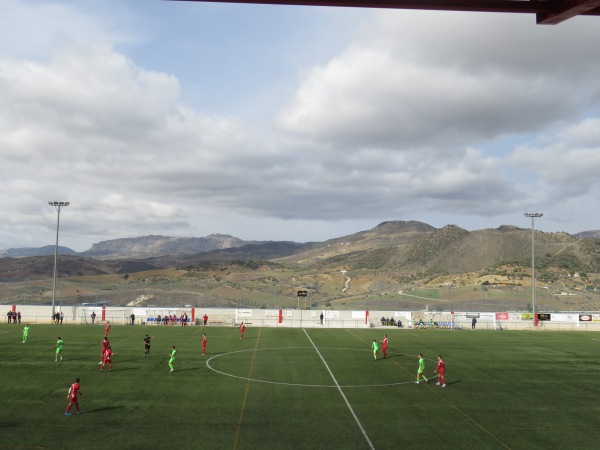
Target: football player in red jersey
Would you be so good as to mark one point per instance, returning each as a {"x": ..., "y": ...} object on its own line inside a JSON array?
[
  {"x": 105, "y": 345},
  {"x": 107, "y": 359},
  {"x": 242, "y": 330},
  {"x": 441, "y": 370},
  {"x": 384, "y": 344},
  {"x": 74, "y": 392}
]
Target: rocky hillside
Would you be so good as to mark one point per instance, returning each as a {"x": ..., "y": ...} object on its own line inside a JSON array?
[
  {"x": 421, "y": 251},
  {"x": 68, "y": 265},
  {"x": 386, "y": 235},
  {"x": 586, "y": 234},
  {"x": 261, "y": 251},
  {"x": 37, "y": 251},
  {"x": 410, "y": 249},
  {"x": 152, "y": 246}
]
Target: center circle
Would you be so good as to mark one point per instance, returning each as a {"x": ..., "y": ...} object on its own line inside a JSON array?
[{"x": 282, "y": 383}]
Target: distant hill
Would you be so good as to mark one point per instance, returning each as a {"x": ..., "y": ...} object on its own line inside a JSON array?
[
  {"x": 69, "y": 265},
  {"x": 151, "y": 246},
  {"x": 261, "y": 251},
  {"x": 37, "y": 251},
  {"x": 139, "y": 247},
  {"x": 418, "y": 250},
  {"x": 412, "y": 249},
  {"x": 588, "y": 234}
]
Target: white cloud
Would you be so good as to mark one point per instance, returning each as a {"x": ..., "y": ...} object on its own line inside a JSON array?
[
  {"x": 396, "y": 126},
  {"x": 442, "y": 83},
  {"x": 32, "y": 29},
  {"x": 567, "y": 164}
]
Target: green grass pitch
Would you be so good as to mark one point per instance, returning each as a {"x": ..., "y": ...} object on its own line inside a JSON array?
[{"x": 282, "y": 388}]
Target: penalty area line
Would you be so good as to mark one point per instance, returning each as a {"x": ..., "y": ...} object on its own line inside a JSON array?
[{"x": 341, "y": 392}]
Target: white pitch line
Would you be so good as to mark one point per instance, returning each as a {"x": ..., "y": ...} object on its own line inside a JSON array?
[
  {"x": 341, "y": 392},
  {"x": 283, "y": 383}
]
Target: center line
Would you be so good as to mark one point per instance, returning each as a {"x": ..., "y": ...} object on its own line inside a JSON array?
[
  {"x": 239, "y": 426},
  {"x": 341, "y": 392}
]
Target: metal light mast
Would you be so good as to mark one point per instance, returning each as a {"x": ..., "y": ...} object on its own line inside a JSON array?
[
  {"x": 533, "y": 217},
  {"x": 58, "y": 206}
]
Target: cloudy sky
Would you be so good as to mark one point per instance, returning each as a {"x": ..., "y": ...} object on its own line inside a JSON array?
[{"x": 290, "y": 123}]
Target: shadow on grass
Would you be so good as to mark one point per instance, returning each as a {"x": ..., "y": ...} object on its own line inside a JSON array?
[
  {"x": 395, "y": 355},
  {"x": 121, "y": 369},
  {"x": 97, "y": 410},
  {"x": 71, "y": 359}
]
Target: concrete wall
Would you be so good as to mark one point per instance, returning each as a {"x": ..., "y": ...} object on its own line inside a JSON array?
[{"x": 305, "y": 318}]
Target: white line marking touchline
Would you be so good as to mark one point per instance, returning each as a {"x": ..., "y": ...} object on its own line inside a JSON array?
[{"x": 341, "y": 392}]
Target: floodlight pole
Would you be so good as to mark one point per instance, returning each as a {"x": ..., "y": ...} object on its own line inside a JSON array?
[
  {"x": 533, "y": 217},
  {"x": 58, "y": 206}
]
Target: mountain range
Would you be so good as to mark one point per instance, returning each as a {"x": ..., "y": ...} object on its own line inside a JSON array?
[
  {"x": 411, "y": 248},
  {"x": 139, "y": 247}
]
